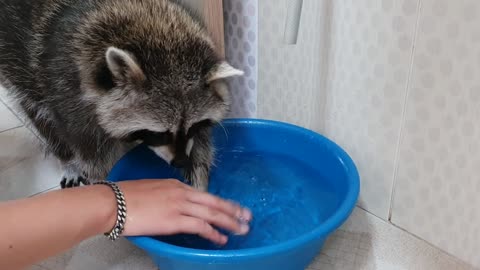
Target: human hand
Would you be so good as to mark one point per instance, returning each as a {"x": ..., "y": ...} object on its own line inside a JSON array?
[{"x": 169, "y": 207}]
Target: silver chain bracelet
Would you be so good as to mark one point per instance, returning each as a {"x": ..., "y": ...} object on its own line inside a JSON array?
[{"x": 121, "y": 211}]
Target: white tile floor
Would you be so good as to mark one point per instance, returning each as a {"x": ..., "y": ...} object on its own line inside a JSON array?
[{"x": 364, "y": 242}]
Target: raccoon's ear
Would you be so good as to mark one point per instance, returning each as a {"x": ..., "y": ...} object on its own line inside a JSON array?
[
  {"x": 123, "y": 65},
  {"x": 222, "y": 70}
]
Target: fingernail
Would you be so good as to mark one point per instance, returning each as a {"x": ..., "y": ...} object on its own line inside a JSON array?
[
  {"x": 244, "y": 228},
  {"x": 224, "y": 240},
  {"x": 246, "y": 215}
]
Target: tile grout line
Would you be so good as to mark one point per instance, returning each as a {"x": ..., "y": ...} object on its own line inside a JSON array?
[
  {"x": 10, "y": 129},
  {"x": 417, "y": 237},
  {"x": 9, "y": 107},
  {"x": 23, "y": 125},
  {"x": 327, "y": 48},
  {"x": 44, "y": 191},
  {"x": 404, "y": 113},
  {"x": 453, "y": 257},
  {"x": 15, "y": 114}
]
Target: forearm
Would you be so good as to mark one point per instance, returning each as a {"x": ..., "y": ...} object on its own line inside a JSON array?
[{"x": 35, "y": 228}]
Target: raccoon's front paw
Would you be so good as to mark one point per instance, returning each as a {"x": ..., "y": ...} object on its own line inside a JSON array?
[
  {"x": 200, "y": 185},
  {"x": 69, "y": 181},
  {"x": 197, "y": 178}
]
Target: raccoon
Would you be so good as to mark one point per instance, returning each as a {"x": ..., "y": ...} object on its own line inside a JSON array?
[{"x": 96, "y": 77}]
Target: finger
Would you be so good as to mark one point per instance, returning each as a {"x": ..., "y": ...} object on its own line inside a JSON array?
[
  {"x": 215, "y": 217},
  {"x": 191, "y": 225},
  {"x": 227, "y": 207},
  {"x": 177, "y": 183}
]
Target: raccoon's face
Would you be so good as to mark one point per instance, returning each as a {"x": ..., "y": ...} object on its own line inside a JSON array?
[{"x": 164, "y": 107}]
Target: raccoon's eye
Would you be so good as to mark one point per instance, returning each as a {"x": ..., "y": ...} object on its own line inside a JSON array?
[
  {"x": 195, "y": 128},
  {"x": 152, "y": 138}
]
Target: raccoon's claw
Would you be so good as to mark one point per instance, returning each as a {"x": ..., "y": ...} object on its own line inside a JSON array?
[{"x": 73, "y": 182}]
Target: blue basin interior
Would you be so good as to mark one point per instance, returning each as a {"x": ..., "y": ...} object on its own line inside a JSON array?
[{"x": 299, "y": 185}]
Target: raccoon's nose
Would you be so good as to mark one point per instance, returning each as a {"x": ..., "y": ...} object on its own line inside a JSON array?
[{"x": 180, "y": 162}]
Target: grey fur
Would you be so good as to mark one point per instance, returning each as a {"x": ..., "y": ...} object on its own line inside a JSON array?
[{"x": 96, "y": 76}]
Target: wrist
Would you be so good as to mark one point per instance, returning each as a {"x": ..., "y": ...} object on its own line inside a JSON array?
[{"x": 107, "y": 208}]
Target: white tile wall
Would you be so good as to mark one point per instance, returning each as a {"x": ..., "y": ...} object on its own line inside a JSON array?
[
  {"x": 289, "y": 76},
  {"x": 241, "y": 50},
  {"x": 369, "y": 62},
  {"x": 438, "y": 184}
]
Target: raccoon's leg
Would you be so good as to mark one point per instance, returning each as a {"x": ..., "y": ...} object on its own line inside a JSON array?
[
  {"x": 201, "y": 157},
  {"x": 42, "y": 121},
  {"x": 94, "y": 162},
  {"x": 45, "y": 126}
]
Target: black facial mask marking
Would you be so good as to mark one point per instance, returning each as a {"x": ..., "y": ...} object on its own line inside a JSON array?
[
  {"x": 152, "y": 138},
  {"x": 181, "y": 140},
  {"x": 195, "y": 128}
]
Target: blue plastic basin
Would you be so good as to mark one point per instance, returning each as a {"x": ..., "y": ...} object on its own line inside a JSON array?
[{"x": 299, "y": 185}]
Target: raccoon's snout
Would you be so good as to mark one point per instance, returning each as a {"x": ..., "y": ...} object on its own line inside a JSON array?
[
  {"x": 178, "y": 156},
  {"x": 178, "y": 160},
  {"x": 164, "y": 152},
  {"x": 182, "y": 152}
]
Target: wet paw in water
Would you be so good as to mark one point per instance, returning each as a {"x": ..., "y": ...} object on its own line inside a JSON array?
[{"x": 273, "y": 188}]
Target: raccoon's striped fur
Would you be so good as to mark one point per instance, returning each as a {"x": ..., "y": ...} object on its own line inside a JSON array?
[{"x": 96, "y": 76}]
